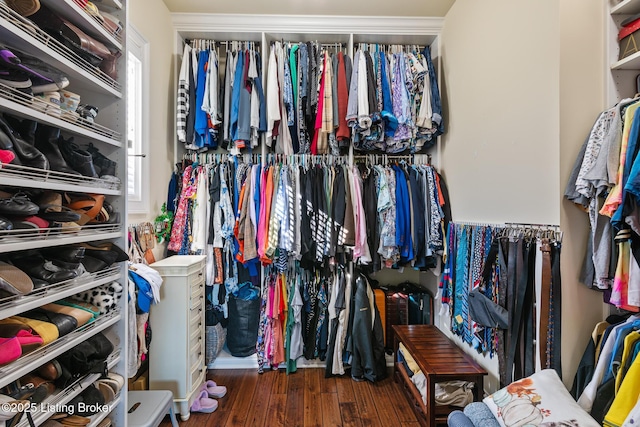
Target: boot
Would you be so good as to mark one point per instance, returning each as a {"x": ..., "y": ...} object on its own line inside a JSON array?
[
  {"x": 26, "y": 153},
  {"x": 79, "y": 160},
  {"x": 47, "y": 142},
  {"x": 105, "y": 165}
]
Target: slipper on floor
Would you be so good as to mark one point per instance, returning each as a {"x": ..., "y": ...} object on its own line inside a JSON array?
[
  {"x": 204, "y": 404},
  {"x": 216, "y": 391}
]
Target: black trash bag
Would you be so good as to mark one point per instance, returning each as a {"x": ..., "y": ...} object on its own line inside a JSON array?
[{"x": 242, "y": 330}]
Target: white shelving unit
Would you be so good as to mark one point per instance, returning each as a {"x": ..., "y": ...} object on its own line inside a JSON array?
[
  {"x": 622, "y": 73},
  {"x": 63, "y": 397},
  {"x": 84, "y": 21},
  {"x": 107, "y": 134}
]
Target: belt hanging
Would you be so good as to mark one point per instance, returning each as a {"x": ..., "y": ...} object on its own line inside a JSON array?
[{"x": 545, "y": 302}]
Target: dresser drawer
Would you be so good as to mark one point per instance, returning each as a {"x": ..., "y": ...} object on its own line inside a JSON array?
[
  {"x": 196, "y": 291},
  {"x": 195, "y": 354},
  {"x": 195, "y": 278},
  {"x": 197, "y": 372},
  {"x": 196, "y": 312}
]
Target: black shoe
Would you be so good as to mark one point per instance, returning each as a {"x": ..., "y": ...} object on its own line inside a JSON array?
[
  {"x": 34, "y": 264},
  {"x": 26, "y": 153},
  {"x": 103, "y": 164},
  {"x": 55, "y": 80},
  {"x": 79, "y": 160},
  {"x": 47, "y": 142}
]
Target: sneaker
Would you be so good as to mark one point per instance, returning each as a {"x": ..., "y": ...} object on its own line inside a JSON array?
[
  {"x": 54, "y": 79},
  {"x": 16, "y": 81}
]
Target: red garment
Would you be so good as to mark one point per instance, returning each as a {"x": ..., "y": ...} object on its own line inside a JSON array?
[{"x": 343, "y": 131}]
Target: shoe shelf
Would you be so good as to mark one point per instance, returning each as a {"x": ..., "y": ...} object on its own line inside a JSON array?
[
  {"x": 20, "y": 33},
  {"x": 16, "y": 304},
  {"x": 26, "y": 177},
  {"x": 86, "y": 22},
  {"x": 114, "y": 4},
  {"x": 23, "y": 239},
  {"x": 97, "y": 418},
  {"x": 45, "y": 410},
  {"x": 27, "y": 106},
  {"x": 29, "y": 362}
]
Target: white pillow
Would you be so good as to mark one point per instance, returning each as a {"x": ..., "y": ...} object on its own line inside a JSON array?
[{"x": 540, "y": 399}]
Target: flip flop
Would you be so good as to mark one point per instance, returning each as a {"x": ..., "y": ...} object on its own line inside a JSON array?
[
  {"x": 214, "y": 390},
  {"x": 204, "y": 404}
]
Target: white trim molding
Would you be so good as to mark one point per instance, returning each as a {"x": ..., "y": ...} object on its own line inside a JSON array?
[{"x": 321, "y": 24}]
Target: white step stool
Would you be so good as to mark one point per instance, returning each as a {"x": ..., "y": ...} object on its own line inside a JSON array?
[{"x": 147, "y": 408}]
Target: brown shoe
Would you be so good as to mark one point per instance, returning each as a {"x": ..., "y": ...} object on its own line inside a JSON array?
[{"x": 24, "y": 7}]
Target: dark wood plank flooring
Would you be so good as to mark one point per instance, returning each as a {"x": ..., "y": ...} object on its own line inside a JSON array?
[{"x": 305, "y": 399}]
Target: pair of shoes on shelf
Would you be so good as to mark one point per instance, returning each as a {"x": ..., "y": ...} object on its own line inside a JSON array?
[
  {"x": 17, "y": 339},
  {"x": 29, "y": 74},
  {"x": 19, "y": 137},
  {"x": 110, "y": 386},
  {"x": 206, "y": 401},
  {"x": 77, "y": 41}
]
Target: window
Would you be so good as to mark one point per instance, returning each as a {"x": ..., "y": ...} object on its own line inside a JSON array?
[{"x": 137, "y": 122}]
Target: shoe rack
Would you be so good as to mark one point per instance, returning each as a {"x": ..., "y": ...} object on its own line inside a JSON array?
[{"x": 108, "y": 134}]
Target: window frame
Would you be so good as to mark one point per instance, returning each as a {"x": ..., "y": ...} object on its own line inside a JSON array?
[{"x": 139, "y": 47}]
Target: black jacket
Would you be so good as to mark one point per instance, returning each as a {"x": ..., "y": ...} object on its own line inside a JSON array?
[{"x": 368, "y": 345}]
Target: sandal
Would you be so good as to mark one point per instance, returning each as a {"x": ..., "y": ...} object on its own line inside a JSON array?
[{"x": 88, "y": 207}]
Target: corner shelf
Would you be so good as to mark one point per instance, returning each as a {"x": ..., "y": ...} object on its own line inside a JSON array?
[
  {"x": 27, "y": 363},
  {"x": 15, "y": 305},
  {"x": 114, "y": 4},
  {"x": 631, "y": 62},
  {"x": 626, "y": 7},
  {"x": 77, "y": 16},
  {"x": 16, "y": 31}
]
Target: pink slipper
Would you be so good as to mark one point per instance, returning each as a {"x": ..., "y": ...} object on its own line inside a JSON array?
[
  {"x": 214, "y": 390},
  {"x": 204, "y": 404}
]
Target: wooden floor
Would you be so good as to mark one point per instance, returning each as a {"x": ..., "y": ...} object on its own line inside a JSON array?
[{"x": 305, "y": 398}]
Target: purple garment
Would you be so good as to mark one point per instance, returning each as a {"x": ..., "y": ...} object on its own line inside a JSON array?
[{"x": 400, "y": 99}]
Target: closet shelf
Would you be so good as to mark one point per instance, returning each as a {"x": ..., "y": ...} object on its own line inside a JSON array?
[
  {"x": 631, "y": 62},
  {"x": 26, "y": 177},
  {"x": 18, "y": 32},
  {"x": 97, "y": 418},
  {"x": 20, "y": 240},
  {"x": 114, "y": 4},
  {"x": 17, "y": 103},
  {"x": 14, "y": 370},
  {"x": 14, "y": 305},
  {"x": 65, "y": 396},
  {"x": 87, "y": 23},
  {"x": 626, "y": 7}
]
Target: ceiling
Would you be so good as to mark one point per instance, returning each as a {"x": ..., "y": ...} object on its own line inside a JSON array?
[{"x": 436, "y": 8}]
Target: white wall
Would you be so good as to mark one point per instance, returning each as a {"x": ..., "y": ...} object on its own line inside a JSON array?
[
  {"x": 153, "y": 20},
  {"x": 581, "y": 99},
  {"x": 501, "y": 78},
  {"x": 523, "y": 82}
]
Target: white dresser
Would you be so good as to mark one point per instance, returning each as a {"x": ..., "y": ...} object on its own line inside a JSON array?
[{"x": 176, "y": 354}]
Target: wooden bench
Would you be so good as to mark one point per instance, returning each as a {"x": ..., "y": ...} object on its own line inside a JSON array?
[{"x": 440, "y": 360}]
